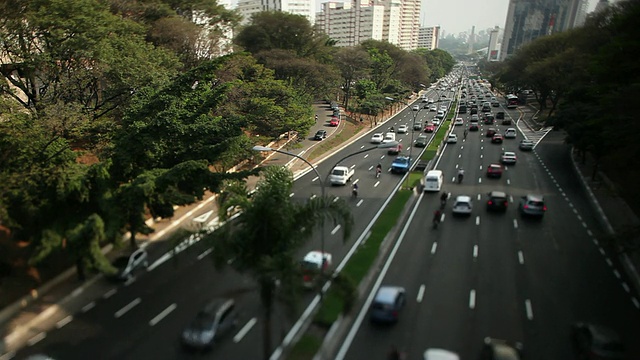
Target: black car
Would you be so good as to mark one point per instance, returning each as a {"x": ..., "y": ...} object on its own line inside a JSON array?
[
  {"x": 500, "y": 115},
  {"x": 497, "y": 201},
  {"x": 320, "y": 134},
  {"x": 473, "y": 127},
  {"x": 215, "y": 320},
  {"x": 474, "y": 110},
  {"x": 596, "y": 342}
]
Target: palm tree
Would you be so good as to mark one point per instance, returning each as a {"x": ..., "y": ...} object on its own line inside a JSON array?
[{"x": 264, "y": 238}]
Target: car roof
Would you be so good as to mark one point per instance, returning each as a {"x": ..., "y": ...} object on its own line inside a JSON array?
[
  {"x": 315, "y": 257},
  {"x": 463, "y": 198},
  {"x": 440, "y": 354},
  {"x": 498, "y": 194},
  {"x": 509, "y": 153},
  {"x": 387, "y": 294},
  {"x": 534, "y": 197},
  {"x": 495, "y": 165}
]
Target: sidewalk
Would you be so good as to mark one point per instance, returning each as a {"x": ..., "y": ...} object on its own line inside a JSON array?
[{"x": 56, "y": 300}]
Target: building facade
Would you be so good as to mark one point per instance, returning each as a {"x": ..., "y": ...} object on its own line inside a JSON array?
[
  {"x": 351, "y": 23},
  {"x": 530, "y": 19},
  {"x": 428, "y": 37},
  {"x": 247, "y": 8},
  {"x": 493, "y": 51}
]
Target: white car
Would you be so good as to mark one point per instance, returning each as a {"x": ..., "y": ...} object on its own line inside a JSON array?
[
  {"x": 416, "y": 107},
  {"x": 433, "y": 108},
  {"x": 312, "y": 265},
  {"x": 389, "y": 137},
  {"x": 458, "y": 122},
  {"x": 510, "y": 133},
  {"x": 462, "y": 205},
  {"x": 508, "y": 157},
  {"x": 377, "y": 138},
  {"x": 402, "y": 129},
  {"x": 452, "y": 139},
  {"x": 435, "y": 121},
  {"x": 440, "y": 114}
]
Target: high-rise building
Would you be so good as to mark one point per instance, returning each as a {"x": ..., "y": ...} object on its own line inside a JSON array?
[
  {"x": 428, "y": 37},
  {"x": 493, "y": 51},
  {"x": 530, "y": 19},
  {"x": 386, "y": 20},
  {"x": 601, "y": 5},
  {"x": 247, "y": 8}
]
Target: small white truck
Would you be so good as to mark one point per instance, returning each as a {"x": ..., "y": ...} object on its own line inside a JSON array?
[{"x": 340, "y": 175}]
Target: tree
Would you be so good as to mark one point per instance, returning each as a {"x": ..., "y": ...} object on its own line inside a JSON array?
[
  {"x": 266, "y": 234},
  {"x": 354, "y": 64}
]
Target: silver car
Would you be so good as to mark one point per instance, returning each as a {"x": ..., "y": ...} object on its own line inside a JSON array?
[
  {"x": 532, "y": 205},
  {"x": 128, "y": 265},
  {"x": 462, "y": 205}
]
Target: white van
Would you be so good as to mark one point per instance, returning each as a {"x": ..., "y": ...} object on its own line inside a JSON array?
[{"x": 433, "y": 180}]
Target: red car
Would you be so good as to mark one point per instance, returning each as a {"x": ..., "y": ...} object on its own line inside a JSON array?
[
  {"x": 334, "y": 121},
  {"x": 429, "y": 128},
  {"x": 473, "y": 127},
  {"x": 395, "y": 150},
  {"x": 491, "y": 132},
  {"x": 497, "y": 139},
  {"x": 494, "y": 170}
]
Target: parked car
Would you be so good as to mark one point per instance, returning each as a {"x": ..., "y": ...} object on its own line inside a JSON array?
[
  {"x": 596, "y": 342},
  {"x": 387, "y": 304},
  {"x": 127, "y": 266},
  {"x": 312, "y": 265},
  {"x": 494, "y": 170},
  {"x": 496, "y": 349},
  {"x": 532, "y": 205},
  {"x": 452, "y": 139},
  {"x": 510, "y": 133},
  {"x": 526, "y": 145},
  {"x": 422, "y": 141},
  {"x": 508, "y": 158},
  {"x": 377, "y": 138},
  {"x": 497, "y": 201},
  {"x": 462, "y": 205},
  {"x": 215, "y": 320},
  {"x": 320, "y": 134},
  {"x": 497, "y": 138},
  {"x": 401, "y": 165}
]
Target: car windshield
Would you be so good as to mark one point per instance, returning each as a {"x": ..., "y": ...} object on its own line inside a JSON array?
[
  {"x": 337, "y": 172},
  {"x": 536, "y": 203},
  {"x": 203, "y": 321}
]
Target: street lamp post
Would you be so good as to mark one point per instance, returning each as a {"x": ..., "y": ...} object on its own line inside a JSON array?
[{"x": 323, "y": 184}]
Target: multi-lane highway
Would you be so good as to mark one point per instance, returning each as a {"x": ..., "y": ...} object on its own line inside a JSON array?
[
  {"x": 498, "y": 274},
  {"x": 144, "y": 318}
]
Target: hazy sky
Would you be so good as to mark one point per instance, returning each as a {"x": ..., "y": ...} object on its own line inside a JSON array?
[{"x": 455, "y": 16}]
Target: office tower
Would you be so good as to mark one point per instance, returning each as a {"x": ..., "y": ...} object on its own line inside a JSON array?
[
  {"x": 493, "y": 52},
  {"x": 428, "y": 37}
]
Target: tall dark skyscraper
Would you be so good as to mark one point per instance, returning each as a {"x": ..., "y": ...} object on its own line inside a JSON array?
[{"x": 530, "y": 19}]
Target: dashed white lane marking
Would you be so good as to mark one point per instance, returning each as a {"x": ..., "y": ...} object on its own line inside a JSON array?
[
  {"x": 127, "y": 307},
  {"x": 366, "y": 156},
  {"x": 520, "y": 257},
  {"x": 204, "y": 253},
  {"x": 515, "y": 223},
  {"x": 625, "y": 287},
  {"x": 64, "y": 322},
  {"x": 478, "y": 220},
  {"x": 584, "y": 224},
  {"x": 162, "y": 314},
  {"x": 77, "y": 292},
  {"x": 130, "y": 281},
  {"x": 376, "y": 184},
  {"x": 472, "y": 299},
  {"x": 508, "y": 181},
  {"x": 245, "y": 329},
  {"x": 355, "y": 181},
  {"x": 110, "y": 293},
  {"x": 434, "y": 247},
  {"x": 36, "y": 339},
  {"x": 359, "y": 203},
  {"x": 312, "y": 197},
  {"x": 527, "y": 304},
  {"x": 475, "y": 251},
  {"x": 479, "y": 197},
  {"x": 335, "y": 199},
  {"x": 589, "y": 233},
  {"x": 601, "y": 250},
  {"x": 420, "y": 294},
  {"x": 335, "y": 230},
  {"x": 635, "y": 302},
  {"x": 291, "y": 195},
  {"x": 88, "y": 307},
  {"x": 616, "y": 274},
  {"x": 314, "y": 179},
  {"x": 609, "y": 262}
]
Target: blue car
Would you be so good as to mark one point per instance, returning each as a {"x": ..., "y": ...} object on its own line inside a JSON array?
[{"x": 401, "y": 165}]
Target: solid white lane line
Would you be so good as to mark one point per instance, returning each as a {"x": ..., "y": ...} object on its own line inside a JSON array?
[
  {"x": 204, "y": 253},
  {"x": 434, "y": 247},
  {"x": 527, "y": 304},
  {"x": 245, "y": 329},
  {"x": 475, "y": 251},
  {"x": 478, "y": 220},
  {"x": 420, "y": 294},
  {"x": 110, "y": 293},
  {"x": 127, "y": 307},
  {"x": 335, "y": 230},
  {"x": 162, "y": 314},
  {"x": 88, "y": 307},
  {"x": 515, "y": 223},
  {"x": 472, "y": 299},
  {"x": 64, "y": 322},
  {"x": 520, "y": 257},
  {"x": 359, "y": 203},
  {"x": 36, "y": 339}
]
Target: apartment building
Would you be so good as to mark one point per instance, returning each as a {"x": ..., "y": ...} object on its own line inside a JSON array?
[
  {"x": 530, "y": 19},
  {"x": 428, "y": 37},
  {"x": 247, "y": 8},
  {"x": 351, "y": 23}
]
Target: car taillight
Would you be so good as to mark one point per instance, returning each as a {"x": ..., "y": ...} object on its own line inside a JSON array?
[
  {"x": 526, "y": 206},
  {"x": 490, "y": 202},
  {"x": 544, "y": 208},
  {"x": 506, "y": 203},
  {"x": 306, "y": 278},
  {"x": 395, "y": 314}
]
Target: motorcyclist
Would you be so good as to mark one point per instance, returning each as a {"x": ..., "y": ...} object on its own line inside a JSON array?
[
  {"x": 378, "y": 169},
  {"x": 354, "y": 190},
  {"x": 443, "y": 199},
  {"x": 391, "y": 129},
  {"x": 460, "y": 175},
  {"x": 437, "y": 215}
]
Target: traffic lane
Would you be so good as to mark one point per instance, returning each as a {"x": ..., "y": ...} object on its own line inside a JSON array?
[{"x": 437, "y": 290}]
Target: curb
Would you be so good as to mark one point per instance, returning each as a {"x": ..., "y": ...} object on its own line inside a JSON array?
[{"x": 628, "y": 266}]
